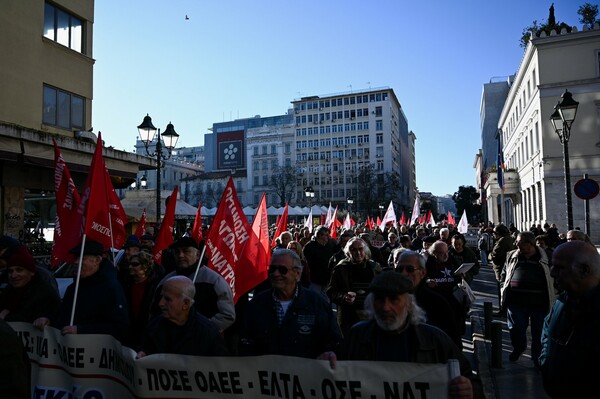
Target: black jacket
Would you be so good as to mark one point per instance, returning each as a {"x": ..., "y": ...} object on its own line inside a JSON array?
[{"x": 37, "y": 299}]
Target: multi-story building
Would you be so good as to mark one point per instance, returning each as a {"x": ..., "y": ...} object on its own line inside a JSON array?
[
  {"x": 535, "y": 193},
  {"x": 46, "y": 75}
]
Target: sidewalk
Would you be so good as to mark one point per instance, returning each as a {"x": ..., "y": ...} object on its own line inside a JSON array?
[{"x": 514, "y": 379}]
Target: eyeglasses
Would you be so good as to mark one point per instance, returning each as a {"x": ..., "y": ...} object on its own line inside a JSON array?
[
  {"x": 134, "y": 264},
  {"x": 281, "y": 269},
  {"x": 409, "y": 269}
]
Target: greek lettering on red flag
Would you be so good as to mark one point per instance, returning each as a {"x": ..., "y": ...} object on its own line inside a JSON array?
[
  {"x": 141, "y": 227},
  {"x": 95, "y": 200},
  {"x": 197, "y": 228},
  {"x": 118, "y": 217},
  {"x": 228, "y": 234},
  {"x": 251, "y": 269},
  {"x": 164, "y": 238},
  {"x": 67, "y": 229}
]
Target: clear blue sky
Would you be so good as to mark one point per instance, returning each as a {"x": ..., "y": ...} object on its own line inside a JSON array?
[{"x": 237, "y": 59}]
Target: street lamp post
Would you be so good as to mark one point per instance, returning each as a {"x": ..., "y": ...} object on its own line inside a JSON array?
[
  {"x": 381, "y": 208},
  {"x": 562, "y": 119},
  {"x": 148, "y": 133},
  {"x": 350, "y": 202},
  {"x": 310, "y": 194}
]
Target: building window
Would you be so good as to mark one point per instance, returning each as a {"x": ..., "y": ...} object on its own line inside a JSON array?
[
  {"x": 378, "y": 111},
  {"x": 273, "y": 149},
  {"x": 379, "y": 138},
  {"x": 63, "y": 109},
  {"x": 255, "y": 150},
  {"x": 63, "y": 28},
  {"x": 378, "y": 125},
  {"x": 287, "y": 148}
]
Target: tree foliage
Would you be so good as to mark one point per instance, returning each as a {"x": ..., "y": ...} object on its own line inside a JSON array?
[
  {"x": 588, "y": 14},
  {"x": 536, "y": 28},
  {"x": 283, "y": 182},
  {"x": 464, "y": 199}
]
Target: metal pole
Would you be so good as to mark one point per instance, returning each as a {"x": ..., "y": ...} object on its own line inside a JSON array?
[
  {"x": 568, "y": 182},
  {"x": 488, "y": 316},
  {"x": 586, "y": 208},
  {"x": 496, "y": 344},
  {"x": 158, "y": 159}
]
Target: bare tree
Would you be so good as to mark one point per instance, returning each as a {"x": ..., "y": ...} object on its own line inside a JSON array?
[
  {"x": 283, "y": 182},
  {"x": 368, "y": 193}
]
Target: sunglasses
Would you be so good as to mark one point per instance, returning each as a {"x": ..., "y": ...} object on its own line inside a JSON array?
[
  {"x": 409, "y": 269},
  {"x": 281, "y": 269}
]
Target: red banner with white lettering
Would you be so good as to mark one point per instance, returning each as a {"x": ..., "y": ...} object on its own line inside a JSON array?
[
  {"x": 227, "y": 237},
  {"x": 164, "y": 237},
  {"x": 197, "y": 228},
  {"x": 67, "y": 228},
  {"x": 141, "y": 227}
]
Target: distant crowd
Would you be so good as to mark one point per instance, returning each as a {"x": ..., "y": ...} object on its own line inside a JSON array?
[{"x": 391, "y": 294}]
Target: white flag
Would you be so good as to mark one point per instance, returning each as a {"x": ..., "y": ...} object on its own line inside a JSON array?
[
  {"x": 390, "y": 216},
  {"x": 309, "y": 222},
  {"x": 463, "y": 225},
  {"x": 347, "y": 223},
  {"x": 431, "y": 219},
  {"x": 416, "y": 211},
  {"x": 329, "y": 217}
]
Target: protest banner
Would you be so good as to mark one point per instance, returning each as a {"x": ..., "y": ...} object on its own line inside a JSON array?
[{"x": 96, "y": 366}]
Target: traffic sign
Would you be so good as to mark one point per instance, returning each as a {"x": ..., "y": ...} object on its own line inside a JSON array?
[{"x": 586, "y": 189}]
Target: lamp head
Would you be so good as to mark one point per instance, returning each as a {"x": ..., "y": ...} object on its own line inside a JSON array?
[{"x": 146, "y": 130}]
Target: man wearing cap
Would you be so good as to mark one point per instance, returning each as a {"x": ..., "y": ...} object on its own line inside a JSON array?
[
  {"x": 27, "y": 296},
  {"x": 131, "y": 247},
  {"x": 396, "y": 331},
  {"x": 213, "y": 297},
  {"x": 101, "y": 307}
]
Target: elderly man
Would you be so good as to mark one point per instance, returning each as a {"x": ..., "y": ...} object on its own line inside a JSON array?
[
  {"x": 527, "y": 291},
  {"x": 439, "y": 313},
  {"x": 180, "y": 329},
  {"x": 288, "y": 319},
  {"x": 349, "y": 282},
  {"x": 396, "y": 331},
  {"x": 213, "y": 296},
  {"x": 101, "y": 304},
  {"x": 570, "y": 345}
]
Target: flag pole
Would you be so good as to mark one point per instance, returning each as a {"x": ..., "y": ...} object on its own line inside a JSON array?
[
  {"x": 199, "y": 263},
  {"x": 77, "y": 279}
]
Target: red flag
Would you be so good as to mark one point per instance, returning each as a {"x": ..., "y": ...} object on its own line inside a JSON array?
[
  {"x": 402, "y": 219},
  {"x": 197, "y": 228},
  {"x": 101, "y": 205},
  {"x": 335, "y": 223},
  {"x": 378, "y": 222},
  {"x": 282, "y": 223},
  {"x": 164, "y": 237},
  {"x": 369, "y": 223},
  {"x": 141, "y": 227},
  {"x": 251, "y": 269},
  {"x": 67, "y": 229},
  {"x": 450, "y": 219},
  {"x": 228, "y": 234}
]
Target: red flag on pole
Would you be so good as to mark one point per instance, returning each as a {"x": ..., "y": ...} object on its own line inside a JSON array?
[
  {"x": 369, "y": 223},
  {"x": 101, "y": 205},
  {"x": 335, "y": 223},
  {"x": 141, "y": 227},
  {"x": 451, "y": 219},
  {"x": 378, "y": 221},
  {"x": 228, "y": 234},
  {"x": 251, "y": 269},
  {"x": 197, "y": 228},
  {"x": 282, "y": 223},
  {"x": 67, "y": 229},
  {"x": 164, "y": 238},
  {"x": 402, "y": 219}
]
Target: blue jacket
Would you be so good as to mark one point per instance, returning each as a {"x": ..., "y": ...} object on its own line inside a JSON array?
[
  {"x": 309, "y": 327},
  {"x": 101, "y": 305}
]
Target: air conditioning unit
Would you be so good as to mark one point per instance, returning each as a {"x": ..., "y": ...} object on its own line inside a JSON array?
[
  {"x": 359, "y": 143},
  {"x": 297, "y": 124},
  {"x": 337, "y": 146},
  {"x": 316, "y": 122},
  {"x": 350, "y": 158},
  {"x": 321, "y": 109},
  {"x": 346, "y": 146},
  {"x": 352, "y": 118},
  {"x": 328, "y": 172},
  {"x": 296, "y": 110},
  {"x": 360, "y": 157},
  {"x": 333, "y": 120},
  {"x": 321, "y": 121}
]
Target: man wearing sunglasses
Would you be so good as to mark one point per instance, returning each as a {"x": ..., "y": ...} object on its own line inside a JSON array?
[
  {"x": 288, "y": 319},
  {"x": 411, "y": 265}
]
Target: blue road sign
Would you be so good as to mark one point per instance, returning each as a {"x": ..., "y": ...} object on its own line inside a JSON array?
[{"x": 586, "y": 189}]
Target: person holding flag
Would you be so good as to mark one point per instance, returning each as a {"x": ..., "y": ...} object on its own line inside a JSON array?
[{"x": 213, "y": 297}]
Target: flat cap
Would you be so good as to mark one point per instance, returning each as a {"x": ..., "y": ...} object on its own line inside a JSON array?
[
  {"x": 184, "y": 242},
  {"x": 430, "y": 239},
  {"x": 390, "y": 283},
  {"x": 91, "y": 248}
]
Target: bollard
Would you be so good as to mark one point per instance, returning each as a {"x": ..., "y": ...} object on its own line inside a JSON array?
[
  {"x": 488, "y": 316},
  {"x": 496, "y": 344}
]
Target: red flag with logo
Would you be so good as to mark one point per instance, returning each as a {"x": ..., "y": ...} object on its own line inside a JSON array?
[
  {"x": 104, "y": 215},
  {"x": 251, "y": 269},
  {"x": 197, "y": 228},
  {"x": 282, "y": 223},
  {"x": 227, "y": 237},
  {"x": 67, "y": 229},
  {"x": 164, "y": 238},
  {"x": 141, "y": 227}
]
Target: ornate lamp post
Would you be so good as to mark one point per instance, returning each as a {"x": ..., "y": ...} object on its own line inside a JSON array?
[
  {"x": 149, "y": 133},
  {"x": 562, "y": 119},
  {"x": 310, "y": 194},
  {"x": 350, "y": 201}
]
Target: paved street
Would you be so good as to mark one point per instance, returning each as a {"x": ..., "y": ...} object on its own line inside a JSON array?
[{"x": 518, "y": 379}]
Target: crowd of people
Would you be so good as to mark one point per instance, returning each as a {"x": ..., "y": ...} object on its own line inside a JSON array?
[{"x": 378, "y": 294}]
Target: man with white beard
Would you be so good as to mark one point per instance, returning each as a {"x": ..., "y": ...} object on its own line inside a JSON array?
[{"x": 396, "y": 331}]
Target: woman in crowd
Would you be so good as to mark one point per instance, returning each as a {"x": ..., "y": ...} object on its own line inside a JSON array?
[{"x": 463, "y": 254}]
